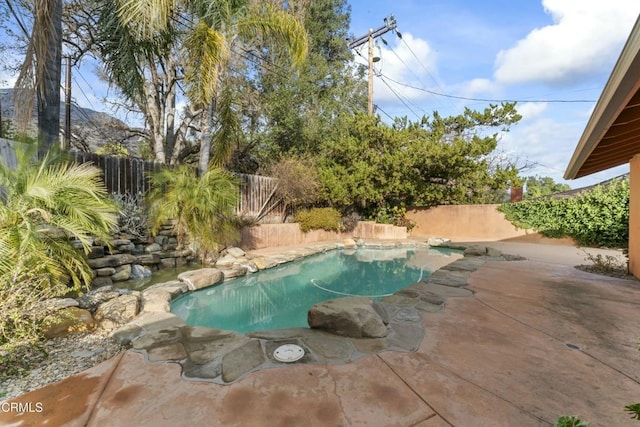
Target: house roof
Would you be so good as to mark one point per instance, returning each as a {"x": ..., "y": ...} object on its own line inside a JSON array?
[{"x": 612, "y": 135}]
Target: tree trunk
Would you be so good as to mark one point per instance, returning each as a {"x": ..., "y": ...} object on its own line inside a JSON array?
[
  {"x": 205, "y": 140},
  {"x": 48, "y": 42}
]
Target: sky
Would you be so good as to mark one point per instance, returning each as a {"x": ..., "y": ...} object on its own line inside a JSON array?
[{"x": 531, "y": 51}]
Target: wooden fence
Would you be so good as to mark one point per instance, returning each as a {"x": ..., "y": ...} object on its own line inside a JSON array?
[
  {"x": 125, "y": 175},
  {"x": 122, "y": 175},
  {"x": 258, "y": 198}
]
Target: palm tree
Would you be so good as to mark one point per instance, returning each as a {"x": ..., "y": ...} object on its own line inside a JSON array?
[
  {"x": 202, "y": 208},
  {"x": 208, "y": 32},
  {"x": 39, "y": 76},
  {"x": 43, "y": 205}
]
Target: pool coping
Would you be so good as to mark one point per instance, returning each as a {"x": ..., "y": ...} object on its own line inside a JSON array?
[{"x": 223, "y": 357}]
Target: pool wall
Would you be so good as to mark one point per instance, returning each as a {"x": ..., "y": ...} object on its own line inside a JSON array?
[{"x": 274, "y": 235}]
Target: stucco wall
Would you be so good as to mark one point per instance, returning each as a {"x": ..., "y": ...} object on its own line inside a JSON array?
[
  {"x": 464, "y": 223},
  {"x": 634, "y": 215},
  {"x": 272, "y": 235}
]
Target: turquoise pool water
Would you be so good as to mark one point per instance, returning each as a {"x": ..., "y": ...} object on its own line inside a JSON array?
[{"x": 281, "y": 297}]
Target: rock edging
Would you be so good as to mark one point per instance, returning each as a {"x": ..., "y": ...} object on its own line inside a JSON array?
[{"x": 224, "y": 357}]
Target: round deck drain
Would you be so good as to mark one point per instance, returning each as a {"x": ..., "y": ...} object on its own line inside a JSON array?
[{"x": 288, "y": 353}]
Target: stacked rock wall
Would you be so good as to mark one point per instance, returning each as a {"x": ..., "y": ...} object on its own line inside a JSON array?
[{"x": 125, "y": 258}]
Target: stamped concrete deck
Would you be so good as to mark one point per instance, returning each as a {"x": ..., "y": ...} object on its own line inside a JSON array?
[{"x": 538, "y": 339}]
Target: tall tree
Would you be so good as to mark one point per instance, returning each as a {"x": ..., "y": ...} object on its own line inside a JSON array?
[
  {"x": 537, "y": 186},
  {"x": 299, "y": 111},
  {"x": 202, "y": 35},
  {"x": 40, "y": 74},
  {"x": 370, "y": 165}
]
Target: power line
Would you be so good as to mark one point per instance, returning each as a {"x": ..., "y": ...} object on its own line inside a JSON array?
[
  {"x": 490, "y": 100},
  {"x": 398, "y": 96}
]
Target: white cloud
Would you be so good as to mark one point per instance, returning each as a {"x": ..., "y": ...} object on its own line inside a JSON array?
[
  {"x": 531, "y": 110},
  {"x": 411, "y": 61},
  {"x": 585, "y": 37}
]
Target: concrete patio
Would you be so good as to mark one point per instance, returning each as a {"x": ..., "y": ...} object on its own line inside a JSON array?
[{"x": 538, "y": 339}]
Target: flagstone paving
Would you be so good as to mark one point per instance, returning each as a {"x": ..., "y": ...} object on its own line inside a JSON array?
[{"x": 519, "y": 343}]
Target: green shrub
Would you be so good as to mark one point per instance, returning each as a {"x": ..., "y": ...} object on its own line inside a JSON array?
[
  {"x": 318, "y": 218},
  {"x": 113, "y": 149},
  {"x": 42, "y": 206},
  {"x": 571, "y": 421},
  {"x": 396, "y": 215},
  {"x": 596, "y": 217}
]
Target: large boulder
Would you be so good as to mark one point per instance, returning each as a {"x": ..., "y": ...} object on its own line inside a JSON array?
[
  {"x": 98, "y": 296},
  {"x": 155, "y": 300},
  {"x": 66, "y": 321},
  {"x": 353, "y": 317},
  {"x": 117, "y": 312},
  {"x": 201, "y": 278}
]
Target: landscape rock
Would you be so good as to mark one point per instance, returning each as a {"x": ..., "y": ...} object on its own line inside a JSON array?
[
  {"x": 154, "y": 247},
  {"x": 105, "y": 272},
  {"x": 260, "y": 263},
  {"x": 351, "y": 317},
  {"x": 201, "y": 278},
  {"x": 250, "y": 266},
  {"x": 234, "y": 271},
  {"x": 437, "y": 241},
  {"x": 148, "y": 259},
  {"x": 349, "y": 243},
  {"x": 139, "y": 271},
  {"x": 168, "y": 263},
  {"x": 236, "y": 252},
  {"x": 117, "y": 312},
  {"x": 98, "y": 296},
  {"x": 156, "y": 300},
  {"x": 68, "y": 320},
  {"x": 111, "y": 261},
  {"x": 101, "y": 282},
  {"x": 122, "y": 273},
  {"x": 225, "y": 261}
]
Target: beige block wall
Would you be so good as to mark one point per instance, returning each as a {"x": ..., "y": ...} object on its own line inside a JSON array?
[
  {"x": 464, "y": 223},
  {"x": 273, "y": 235},
  {"x": 634, "y": 215}
]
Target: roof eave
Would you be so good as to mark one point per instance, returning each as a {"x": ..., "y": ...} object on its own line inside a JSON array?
[{"x": 614, "y": 98}]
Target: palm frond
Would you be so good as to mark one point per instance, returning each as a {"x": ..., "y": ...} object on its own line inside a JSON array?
[
  {"x": 206, "y": 51},
  {"x": 146, "y": 18},
  {"x": 277, "y": 26},
  {"x": 226, "y": 136}
]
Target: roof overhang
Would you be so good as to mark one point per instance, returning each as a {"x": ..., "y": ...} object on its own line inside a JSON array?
[{"x": 612, "y": 135}]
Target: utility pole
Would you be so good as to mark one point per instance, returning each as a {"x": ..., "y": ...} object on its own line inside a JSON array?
[
  {"x": 389, "y": 25},
  {"x": 66, "y": 141}
]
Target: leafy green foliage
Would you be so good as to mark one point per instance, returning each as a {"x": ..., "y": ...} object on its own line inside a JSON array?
[
  {"x": 571, "y": 421},
  {"x": 202, "y": 208},
  {"x": 42, "y": 206},
  {"x": 370, "y": 165},
  {"x": 318, "y": 218},
  {"x": 300, "y": 109},
  {"x": 595, "y": 217},
  {"x": 542, "y": 186},
  {"x": 113, "y": 149},
  {"x": 396, "y": 215},
  {"x": 634, "y": 410}
]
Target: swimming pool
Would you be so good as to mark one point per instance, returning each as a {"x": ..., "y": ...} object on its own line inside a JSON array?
[{"x": 281, "y": 297}]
